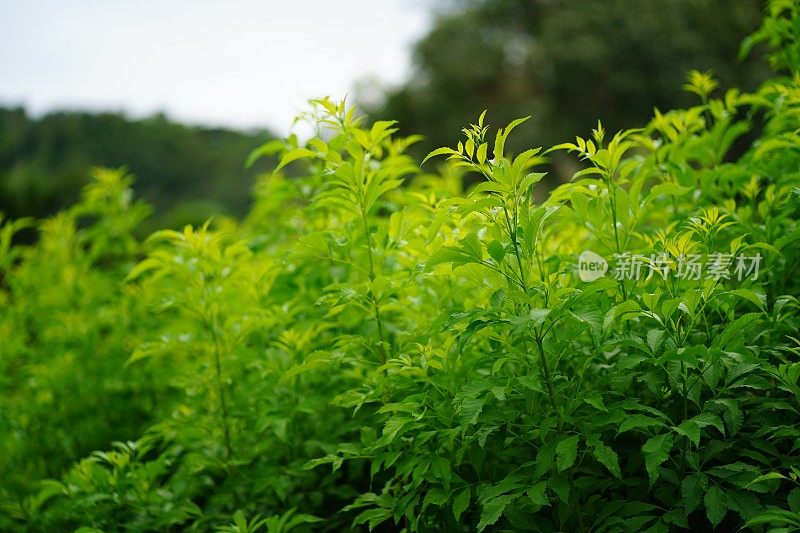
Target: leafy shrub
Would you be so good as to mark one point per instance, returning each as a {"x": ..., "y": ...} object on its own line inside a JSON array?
[{"x": 373, "y": 346}]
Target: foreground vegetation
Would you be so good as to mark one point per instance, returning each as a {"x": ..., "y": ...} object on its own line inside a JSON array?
[{"x": 374, "y": 347}]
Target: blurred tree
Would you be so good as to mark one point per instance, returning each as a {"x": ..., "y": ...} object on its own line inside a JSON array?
[
  {"x": 567, "y": 63},
  {"x": 44, "y": 162}
]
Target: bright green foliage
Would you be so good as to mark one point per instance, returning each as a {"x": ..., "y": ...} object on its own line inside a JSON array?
[{"x": 374, "y": 347}]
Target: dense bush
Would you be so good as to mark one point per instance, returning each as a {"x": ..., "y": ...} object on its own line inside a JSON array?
[{"x": 373, "y": 347}]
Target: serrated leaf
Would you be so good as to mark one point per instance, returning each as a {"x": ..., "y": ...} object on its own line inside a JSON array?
[
  {"x": 293, "y": 155},
  {"x": 691, "y": 430},
  {"x": 435, "y": 496},
  {"x": 709, "y": 419},
  {"x": 496, "y": 250},
  {"x": 692, "y": 488},
  {"x": 743, "y": 502},
  {"x": 716, "y": 503},
  {"x": 595, "y": 399},
  {"x": 502, "y": 135},
  {"x": 481, "y": 153},
  {"x": 375, "y": 517},
  {"x": 531, "y": 179},
  {"x": 512, "y": 482},
  {"x": 627, "y": 310},
  {"x": 390, "y": 430},
  {"x": 656, "y": 450},
  {"x": 736, "y": 329},
  {"x": 560, "y": 486},
  {"x": 794, "y": 500},
  {"x": 759, "y": 299},
  {"x": 671, "y": 189},
  {"x": 567, "y": 452},
  {"x": 538, "y": 494},
  {"x": 441, "y": 469},
  {"x": 460, "y": 503},
  {"x": 739, "y": 370},
  {"x": 470, "y": 410},
  {"x": 608, "y": 458},
  {"x": 638, "y": 421},
  {"x": 439, "y": 151},
  {"x": 493, "y": 510}
]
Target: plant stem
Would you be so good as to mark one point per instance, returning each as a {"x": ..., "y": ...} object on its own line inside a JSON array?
[
  {"x": 376, "y": 306},
  {"x": 221, "y": 393},
  {"x": 512, "y": 232},
  {"x": 613, "y": 188},
  {"x": 547, "y": 377}
]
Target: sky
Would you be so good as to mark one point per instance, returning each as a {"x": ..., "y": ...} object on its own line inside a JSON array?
[{"x": 231, "y": 63}]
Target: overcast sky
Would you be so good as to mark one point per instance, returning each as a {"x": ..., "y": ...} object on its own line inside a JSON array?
[{"x": 240, "y": 63}]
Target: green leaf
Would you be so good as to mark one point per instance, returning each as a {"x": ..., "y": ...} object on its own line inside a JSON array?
[
  {"x": 268, "y": 148},
  {"x": 502, "y": 135},
  {"x": 736, "y": 329},
  {"x": 512, "y": 482},
  {"x": 470, "y": 410},
  {"x": 534, "y": 318},
  {"x": 375, "y": 517},
  {"x": 595, "y": 399},
  {"x": 566, "y": 452},
  {"x": 439, "y": 151},
  {"x": 488, "y": 186},
  {"x": 460, "y": 503},
  {"x": 299, "y": 519},
  {"x": 638, "y": 421},
  {"x": 293, "y": 155},
  {"x": 538, "y": 494},
  {"x": 481, "y": 153},
  {"x": 531, "y": 179},
  {"x": 775, "y": 516},
  {"x": 627, "y": 310},
  {"x": 393, "y": 426},
  {"x": 743, "y": 502},
  {"x": 794, "y": 500},
  {"x": 493, "y": 510},
  {"x": 560, "y": 486},
  {"x": 656, "y": 451},
  {"x": 497, "y": 297},
  {"x": 766, "y": 477},
  {"x": 709, "y": 419},
  {"x": 497, "y": 251},
  {"x": 671, "y": 189},
  {"x": 692, "y": 488},
  {"x": 691, "y": 430},
  {"x": 441, "y": 469},
  {"x": 716, "y": 505},
  {"x": 313, "y": 361},
  {"x": 435, "y": 496},
  {"x": 759, "y": 299},
  {"x": 471, "y": 245},
  {"x": 608, "y": 458}
]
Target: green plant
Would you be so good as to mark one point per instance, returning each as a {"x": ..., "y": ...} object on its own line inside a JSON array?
[{"x": 379, "y": 345}]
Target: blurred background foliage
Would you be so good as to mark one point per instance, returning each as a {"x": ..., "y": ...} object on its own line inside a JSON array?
[
  {"x": 187, "y": 173},
  {"x": 566, "y": 62}
]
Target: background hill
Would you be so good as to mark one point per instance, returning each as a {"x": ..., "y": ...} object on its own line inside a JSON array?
[{"x": 186, "y": 172}]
